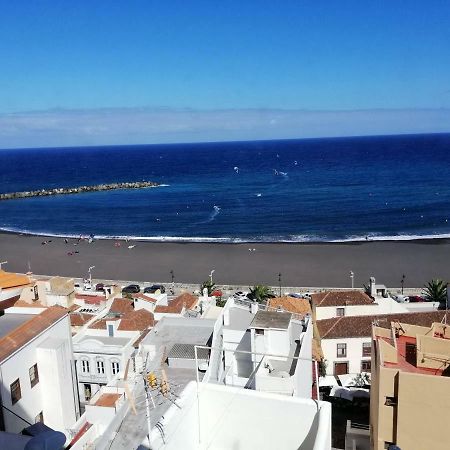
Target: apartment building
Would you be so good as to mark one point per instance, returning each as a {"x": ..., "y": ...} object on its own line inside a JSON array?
[
  {"x": 37, "y": 369},
  {"x": 410, "y": 393}
]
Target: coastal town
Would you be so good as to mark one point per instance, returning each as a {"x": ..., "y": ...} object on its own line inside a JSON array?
[{"x": 90, "y": 363}]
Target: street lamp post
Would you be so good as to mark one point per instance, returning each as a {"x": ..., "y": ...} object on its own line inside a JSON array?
[
  {"x": 279, "y": 282},
  {"x": 403, "y": 282},
  {"x": 90, "y": 274},
  {"x": 173, "y": 282},
  {"x": 211, "y": 276},
  {"x": 352, "y": 277}
]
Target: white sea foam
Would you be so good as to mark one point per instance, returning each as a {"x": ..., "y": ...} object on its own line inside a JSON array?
[{"x": 237, "y": 240}]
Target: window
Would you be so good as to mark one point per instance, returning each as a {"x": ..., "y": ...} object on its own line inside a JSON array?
[
  {"x": 100, "y": 366},
  {"x": 366, "y": 366},
  {"x": 39, "y": 417},
  {"x": 16, "y": 393},
  {"x": 115, "y": 367},
  {"x": 341, "y": 350},
  {"x": 367, "y": 349},
  {"x": 85, "y": 366},
  {"x": 340, "y": 312},
  {"x": 34, "y": 375},
  {"x": 390, "y": 401},
  {"x": 259, "y": 331},
  {"x": 110, "y": 330}
]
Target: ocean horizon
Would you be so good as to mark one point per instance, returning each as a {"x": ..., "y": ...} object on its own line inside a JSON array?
[{"x": 308, "y": 190}]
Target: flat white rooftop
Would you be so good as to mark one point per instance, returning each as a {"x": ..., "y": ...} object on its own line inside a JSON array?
[{"x": 223, "y": 417}]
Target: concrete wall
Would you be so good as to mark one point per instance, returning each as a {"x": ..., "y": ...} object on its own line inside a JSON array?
[{"x": 354, "y": 353}]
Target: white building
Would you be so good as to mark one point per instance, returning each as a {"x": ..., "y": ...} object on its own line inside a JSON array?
[
  {"x": 103, "y": 348},
  {"x": 346, "y": 341},
  {"x": 330, "y": 304},
  {"x": 36, "y": 369},
  {"x": 262, "y": 350}
]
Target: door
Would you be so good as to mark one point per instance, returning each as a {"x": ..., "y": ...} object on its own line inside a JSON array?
[{"x": 340, "y": 368}]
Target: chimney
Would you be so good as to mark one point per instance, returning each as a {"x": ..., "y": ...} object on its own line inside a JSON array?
[{"x": 254, "y": 307}]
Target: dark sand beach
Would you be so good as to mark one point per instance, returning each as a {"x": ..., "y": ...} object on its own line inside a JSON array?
[{"x": 326, "y": 264}]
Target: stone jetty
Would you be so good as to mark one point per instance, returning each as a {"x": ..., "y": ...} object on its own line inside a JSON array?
[{"x": 79, "y": 190}]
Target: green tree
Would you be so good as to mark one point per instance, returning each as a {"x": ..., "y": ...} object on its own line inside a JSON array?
[
  {"x": 208, "y": 284},
  {"x": 436, "y": 291},
  {"x": 260, "y": 293}
]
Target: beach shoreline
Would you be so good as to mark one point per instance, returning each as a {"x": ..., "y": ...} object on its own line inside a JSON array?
[{"x": 300, "y": 263}]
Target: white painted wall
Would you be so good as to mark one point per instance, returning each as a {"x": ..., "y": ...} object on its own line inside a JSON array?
[
  {"x": 354, "y": 353},
  {"x": 303, "y": 372},
  {"x": 35, "y": 399},
  {"x": 382, "y": 306},
  {"x": 233, "y": 418}
]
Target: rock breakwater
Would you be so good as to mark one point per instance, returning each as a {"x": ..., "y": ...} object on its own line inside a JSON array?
[{"x": 79, "y": 190}]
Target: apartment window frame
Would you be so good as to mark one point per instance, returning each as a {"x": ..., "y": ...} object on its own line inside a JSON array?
[
  {"x": 367, "y": 346},
  {"x": 341, "y": 350},
  {"x": 100, "y": 366},
  {"x": 340, "y": 312},
  {"x": 366, "y": 361},
  {"x": 85, "y": 366},
  {"x": 16, "y": 391},
  {"x": 33, "y": 373},
  {"x": 115, "y": 367}
]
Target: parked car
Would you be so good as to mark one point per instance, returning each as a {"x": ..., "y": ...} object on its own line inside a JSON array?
[
  {"x": 155, "y": 287},
  {"x": 416, "y": 299},
  {"x": 99, "y": 287},
  {"x": 401, "y": 298},
  {"x": 131, "y": 289},
  {"x": 293, "y": 295},
  {"x": 239, "y": 295}
]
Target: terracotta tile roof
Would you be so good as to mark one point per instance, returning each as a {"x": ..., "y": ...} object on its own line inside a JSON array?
[
  {"x": 145, "y": 297},
  {"x": 121, "y": 306},
  {"x": 107, "y": 400},
  {"x": 79, "y": 319},
  {"x": 341, "y": 298},
  {"x": 142, "y": 336},
  {"x": 361, "y": 326},
  {"x": 176, "y": 305},
  {"x": 136, "y": 321},
  {"x": 30, "y": 329},
  {"x": 293, "y": 305},
  {"x": 101, "y": 323},
  {"x": 31, "y": 304},
  {"x": 90, "y": 299},
  {"x": 9, "y": 280}
]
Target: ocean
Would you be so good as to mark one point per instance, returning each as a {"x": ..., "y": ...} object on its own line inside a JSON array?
[{"x": 310, "y": 190}]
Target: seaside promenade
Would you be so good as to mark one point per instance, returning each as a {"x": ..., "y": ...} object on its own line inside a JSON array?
[{"x": 299, "y": 264}]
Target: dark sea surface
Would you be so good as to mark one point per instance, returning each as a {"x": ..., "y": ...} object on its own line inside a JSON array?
[{"x": 391, "y": 187}]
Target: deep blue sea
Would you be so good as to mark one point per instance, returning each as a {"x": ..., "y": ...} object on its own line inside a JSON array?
[{"x": 390, "y": 187}]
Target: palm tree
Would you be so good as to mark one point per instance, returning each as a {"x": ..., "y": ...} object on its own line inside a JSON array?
[
  {"x": 260, "y": 293},
  {"x": 208, "y": 284},
  {"x": 436, "y": 291}
]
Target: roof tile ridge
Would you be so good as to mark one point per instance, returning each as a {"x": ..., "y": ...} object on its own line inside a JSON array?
[
  {"x": 335, "y": 323},
  {"x": 326, "y": 295}
]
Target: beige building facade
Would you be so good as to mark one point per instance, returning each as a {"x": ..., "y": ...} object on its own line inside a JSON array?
[{"x": 410, "y": 393}]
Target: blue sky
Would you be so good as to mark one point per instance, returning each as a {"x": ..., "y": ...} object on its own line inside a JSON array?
[{"x": 187, "y": 62}]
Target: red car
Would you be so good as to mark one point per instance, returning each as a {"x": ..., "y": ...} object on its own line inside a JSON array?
[{"x": 416, "y": 299}]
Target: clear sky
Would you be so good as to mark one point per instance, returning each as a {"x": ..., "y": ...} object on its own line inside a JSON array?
[{"x": 121, "y": 58}]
